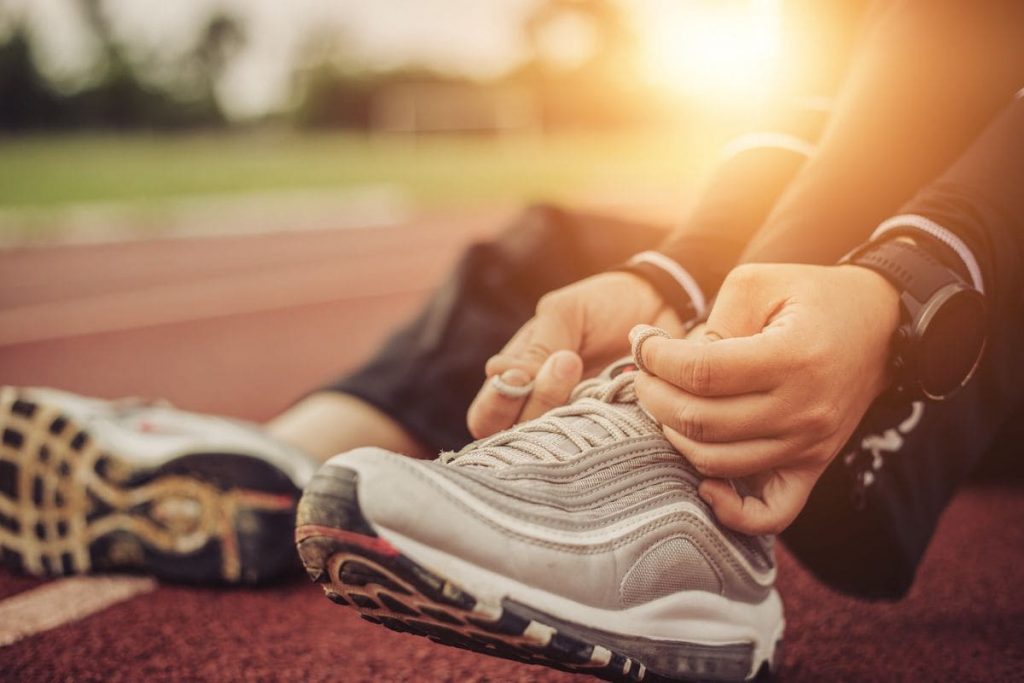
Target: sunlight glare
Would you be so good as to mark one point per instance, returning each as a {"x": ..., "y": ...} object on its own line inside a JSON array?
[{"x": 715, "y": 50}]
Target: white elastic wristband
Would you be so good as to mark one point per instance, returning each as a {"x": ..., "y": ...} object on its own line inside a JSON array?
[
  {"x": 767, "y": 140},
  {"x": 679, "y": 274},
  {"x": 944, "y": 235}
]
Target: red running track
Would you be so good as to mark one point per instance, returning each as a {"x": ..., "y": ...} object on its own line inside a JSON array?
[{"x": 243, "y": 325}]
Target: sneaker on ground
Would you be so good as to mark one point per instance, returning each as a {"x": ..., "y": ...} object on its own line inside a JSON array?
[
  {"x": 575, "y": 541},
  {"x": 88, "y": 485}
]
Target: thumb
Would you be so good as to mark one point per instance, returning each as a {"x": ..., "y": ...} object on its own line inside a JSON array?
[
  {"x": 782, "y": 497},
  {"x": 744, "y": 305}
]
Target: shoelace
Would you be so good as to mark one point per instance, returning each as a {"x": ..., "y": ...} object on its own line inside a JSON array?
[{"x": 598, "y": 400}]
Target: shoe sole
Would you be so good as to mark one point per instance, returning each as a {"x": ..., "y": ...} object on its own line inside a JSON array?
[
  {"x": 360, "y": 570},
  {"x": 69, "y": 507}
]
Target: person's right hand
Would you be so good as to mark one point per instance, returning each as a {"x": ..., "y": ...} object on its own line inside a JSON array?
[{"x": 576, "y": 331}]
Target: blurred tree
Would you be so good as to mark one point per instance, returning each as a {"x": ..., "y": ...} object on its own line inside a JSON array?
[
  {"x": 219, "y": 43},
  {"x": 602, "y": 85},
  {"x": 582, "y": 71},
  {"x": 127, "y": 93},
  {"x": 26, "y": 100}
]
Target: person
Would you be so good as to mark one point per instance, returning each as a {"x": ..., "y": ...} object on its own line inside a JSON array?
[
  {"x": 566, "y": 535},
  {"x": 580, "y": 538}
]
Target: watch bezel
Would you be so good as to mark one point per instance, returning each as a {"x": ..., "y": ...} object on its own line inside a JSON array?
[{"x": 920, "y": 326}]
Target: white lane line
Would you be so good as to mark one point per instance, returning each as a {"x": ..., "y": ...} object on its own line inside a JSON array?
[{"x": 63, "y": 601}]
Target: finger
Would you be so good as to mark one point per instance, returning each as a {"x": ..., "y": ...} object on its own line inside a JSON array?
[
  {"x": 725, "y": 367},
  {"x": 738, "y": 459},
  {"x": 511, "y": 355},
  {"x": 555, "y": 381},
  {"x": 535, "y": 342},
  {"x": 721, "y": 419},
  {"x": 493, "y": 411},
  {"x": 782, "y": 499}
]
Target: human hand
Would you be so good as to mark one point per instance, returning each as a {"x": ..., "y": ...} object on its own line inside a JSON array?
[
  {"x": 774, "y": 385},
  {"x": 576, "y": 331}
]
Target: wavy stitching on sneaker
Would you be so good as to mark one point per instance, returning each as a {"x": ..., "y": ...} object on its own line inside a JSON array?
[
  {"x": 532, "y": 441},
  {"x": 579, "y": 546}
]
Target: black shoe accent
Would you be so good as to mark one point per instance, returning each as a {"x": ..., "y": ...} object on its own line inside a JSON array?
[
  {"x": 363, "y": 601},
  {"x": 58, "y": 424},
  {"x": 37, "y": 491},
  {"x": 8, "y": 478},
  {"x": 12, "y": 559},
  {"x": 331, "y": 500},
  {"x": 23, "y": 408},
  {"x": 440, "y": 615},
  {"x": 13, "y": 438},
  {"x": 358, "y": 574},
  {"x": 337, "y": 599},
  {"x": 231, "y": 470},
  {"x": 9, "y": 523},
  {"x": 396, "y": 605},
  {"x": 79, "y": 440}
]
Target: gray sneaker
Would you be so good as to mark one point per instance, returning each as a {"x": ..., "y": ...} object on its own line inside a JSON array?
[
  {"x": 576, "y": 541},
  {"x": 91, "y": 485}
]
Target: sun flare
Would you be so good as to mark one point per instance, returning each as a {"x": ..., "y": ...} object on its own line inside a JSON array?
[{"x": 715, "y": 50}]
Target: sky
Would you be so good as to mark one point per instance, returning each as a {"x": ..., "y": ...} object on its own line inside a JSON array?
[{"x": 684, "y": 40}]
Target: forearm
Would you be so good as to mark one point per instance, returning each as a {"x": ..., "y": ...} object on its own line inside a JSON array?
[{"x": 926, "y": 82}]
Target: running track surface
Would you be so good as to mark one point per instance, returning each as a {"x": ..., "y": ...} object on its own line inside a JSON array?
[{"x": 243, "y": 326}]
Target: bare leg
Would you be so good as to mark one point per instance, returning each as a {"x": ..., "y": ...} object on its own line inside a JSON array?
[{"x": 327, "y": 423}]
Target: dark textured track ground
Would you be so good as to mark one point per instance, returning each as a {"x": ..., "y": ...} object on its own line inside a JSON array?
[{"x": 275, "y": 316}]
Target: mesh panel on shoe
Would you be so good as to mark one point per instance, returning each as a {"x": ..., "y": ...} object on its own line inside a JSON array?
[
  {"x": 756, "y": 549},
  {"x": 673, "y": 565},
  {"x": 601, "y": 490}
]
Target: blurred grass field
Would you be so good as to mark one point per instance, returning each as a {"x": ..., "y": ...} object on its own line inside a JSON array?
[{"x": 41, "y": 176}]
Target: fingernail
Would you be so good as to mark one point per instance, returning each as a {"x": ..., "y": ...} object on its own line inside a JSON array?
[{"x": 564, "y": 365}]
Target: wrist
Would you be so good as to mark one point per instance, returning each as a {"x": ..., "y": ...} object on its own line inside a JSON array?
[
  {"x": 881, "y": 296},
  {"x": 672, "y": 283},
  {"x": 941, "y": 332}
]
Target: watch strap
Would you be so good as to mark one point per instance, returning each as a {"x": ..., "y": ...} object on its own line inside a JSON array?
[{"x": 907, "y": 266}]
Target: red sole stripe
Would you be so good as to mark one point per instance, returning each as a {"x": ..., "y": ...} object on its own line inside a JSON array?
[{"x": 376, "y": 545}]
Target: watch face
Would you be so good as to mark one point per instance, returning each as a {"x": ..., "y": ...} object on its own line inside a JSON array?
[{"x": 952, "y": 340}]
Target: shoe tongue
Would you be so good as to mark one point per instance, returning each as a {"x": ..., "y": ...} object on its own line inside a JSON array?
[{"x": 594, "y": 432}]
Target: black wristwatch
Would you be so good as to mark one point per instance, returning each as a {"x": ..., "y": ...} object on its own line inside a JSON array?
[{"x": 941, "y": 336}]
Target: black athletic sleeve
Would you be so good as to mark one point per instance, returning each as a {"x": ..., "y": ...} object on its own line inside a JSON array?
[
  {"x": 981, "y": 200},
  {"x": 739, "y": 196}
]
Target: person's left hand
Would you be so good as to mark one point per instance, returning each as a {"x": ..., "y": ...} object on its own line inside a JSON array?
[
  {"x": 774, "y": 385},
  {"x": 576, "y": 332}
]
